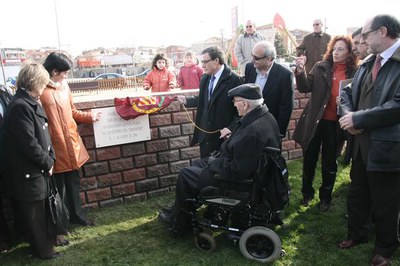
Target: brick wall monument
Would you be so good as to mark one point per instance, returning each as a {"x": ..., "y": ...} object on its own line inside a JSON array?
[{"x": 140, "y": 170}]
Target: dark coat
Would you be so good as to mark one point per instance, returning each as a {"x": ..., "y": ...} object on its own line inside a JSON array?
[
  {"x": 277, "y": 92},
  {"x": 319, "y": 83},
  {"x": 314, "y": 47},
  {"x": 382, "y": 120},
  {"x": 217, "y": 114},
  {"x": 239, "y": 153},
  {"x": 28, "y": 150}
]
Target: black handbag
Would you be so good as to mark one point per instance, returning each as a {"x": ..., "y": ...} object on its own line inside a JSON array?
[{"x": 58, "y": 212}]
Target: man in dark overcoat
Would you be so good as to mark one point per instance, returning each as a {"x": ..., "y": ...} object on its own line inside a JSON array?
[
  {"x": 238, "y": 159},
  {"x": 215, "y": 111},
  {"x": 371, "y": 113}
]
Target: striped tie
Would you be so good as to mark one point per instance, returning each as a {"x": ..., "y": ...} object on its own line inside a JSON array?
[{"x": 376, "y": 67}]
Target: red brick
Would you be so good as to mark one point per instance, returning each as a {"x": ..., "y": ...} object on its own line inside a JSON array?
[
  {"x": 121, "y": 164},
  {"x": 133, "y": 149},
  {"x": 89, "y": 142},
  {"x": 156, "y": 145},
  {"x": 95, "y": 168},
  {"x": 169, "y": 131},
  {"x": 147, "y": 185},
  {"x": 136, "y": 197},
  {"x": 123, "y": 189},
  {"x": 98, "y": 194},
  {"x": 109, "y": 179},
  {"x": 133, "y": 174},
  {"x": 173, "y": 107},
  {"x": 179, "y": 142},
  {"x": 158, "y": 192},
  {"x": 303, "y": 102},
  {"x": 288, "y": 145},
  {"x": 154, "y": 133},
  {"x": 92, "y": 154},
  {"x": 88, "y": 183},
  {"x": 296, "y": 113},
  {"x": 157, "y": 170},
  {"x": 292, "y": 124},
  {"x": 160, "y": 120},
  {"x": 187, "y": 129},
  {"x": 111, "y": 202},
  {"x": 191, "y": 152},
  {"x": 145, "y": 160},
  {"x": 175, "y": 167},
  {"x": 108, "y": 153},
  {"x": 295, "y": 154},
  {"x": 182, "y": 117},
  {"x": 168, "y": 180},
  {"x": 168, "y": 156},
  {"x": 86, "y": 130}
]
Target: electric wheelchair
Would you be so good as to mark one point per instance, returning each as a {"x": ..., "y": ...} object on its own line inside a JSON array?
[{"x": 247, "y": 211}]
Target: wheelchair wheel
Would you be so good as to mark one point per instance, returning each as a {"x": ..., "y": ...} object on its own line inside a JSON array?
[
  {"x": 261, "y": 244},
  {"x": 205, "y": 242}
]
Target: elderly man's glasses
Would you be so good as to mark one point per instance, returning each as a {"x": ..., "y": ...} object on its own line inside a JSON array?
[
  {"x": 249, "y": 26},
  {"x": 366, "y": 34},
  {"x": 205, "y": 61},
  {"x": 315, "y": 24},
  {"x": 256, "y": 58}
]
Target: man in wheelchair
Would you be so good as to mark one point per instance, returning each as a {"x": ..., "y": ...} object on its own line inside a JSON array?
[{"x": 236, "y": 162}]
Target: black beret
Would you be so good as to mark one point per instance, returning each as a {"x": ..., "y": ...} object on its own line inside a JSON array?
[{"x": 250, "y": 91}]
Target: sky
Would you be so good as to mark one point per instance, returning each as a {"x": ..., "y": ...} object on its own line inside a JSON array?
[{"x": 88, "y": 24}]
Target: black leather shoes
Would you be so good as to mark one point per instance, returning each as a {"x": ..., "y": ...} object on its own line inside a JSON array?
[
  {"x": 168, "y": 210},
  {"x": 306, "y": 201},
  {"x": 165, "y": 218},
  {"x": 379, "y": 260}
]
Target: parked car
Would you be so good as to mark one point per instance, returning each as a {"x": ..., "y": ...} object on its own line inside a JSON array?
[
  {"x": 108, "y": 76},
  {"x": 107, "y": 80},
  {"x": 142, "y": 74}
]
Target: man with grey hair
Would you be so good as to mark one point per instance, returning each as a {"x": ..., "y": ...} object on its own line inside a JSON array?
[
  {"x": 245, "y": 44},
  {"x": 314, "y": 45},
  {"x": 237, "y": 160},
  {"x": 275, "y": 80},
  {"x": 371, "y": 113}
]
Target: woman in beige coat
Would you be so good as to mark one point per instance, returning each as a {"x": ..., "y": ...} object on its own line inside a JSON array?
[{"x": 69, "y": 149}]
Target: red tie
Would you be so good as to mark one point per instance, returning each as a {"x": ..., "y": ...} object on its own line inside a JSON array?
[{"x": 376, "y": 67}]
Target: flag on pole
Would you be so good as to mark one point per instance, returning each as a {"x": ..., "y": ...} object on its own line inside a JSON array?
[{"x": 129, "y": 108}]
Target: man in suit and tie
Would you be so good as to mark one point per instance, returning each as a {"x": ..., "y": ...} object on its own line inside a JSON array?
[
  {"x": 216, "y": 114},
  {"x": 275, "y": 80}
]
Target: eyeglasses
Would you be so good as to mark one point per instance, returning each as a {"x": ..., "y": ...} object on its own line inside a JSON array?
[
  {"x": 316, "y": 24},
  {"x": 256, "y": 58},
  {"x": 205, "y": 61},
  {"x": 366, "y": 34},
  {"x": 249, "y": 26}
]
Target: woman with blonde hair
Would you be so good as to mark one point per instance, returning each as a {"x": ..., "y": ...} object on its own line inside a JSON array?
[{"x": 29, "y": 160}]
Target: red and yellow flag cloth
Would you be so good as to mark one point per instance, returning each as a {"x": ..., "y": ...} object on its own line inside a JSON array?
[{"x": 129, "y": 108}]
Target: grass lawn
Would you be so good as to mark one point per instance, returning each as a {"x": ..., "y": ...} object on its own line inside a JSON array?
[{"x": 130, "y": 234}]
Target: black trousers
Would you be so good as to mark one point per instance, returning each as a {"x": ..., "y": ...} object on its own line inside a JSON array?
[
  {"x": 5, "y": 236},
  {"x": 325, "y": 135},
  {"x": 68, "y": 185},
  {"x": 190, "y": 181},
  {"x": 378, "y": 192},
  {"x": 32, "y": 217}
]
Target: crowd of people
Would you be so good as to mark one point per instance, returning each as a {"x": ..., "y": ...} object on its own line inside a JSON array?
[{"x": 237, "y": 115}]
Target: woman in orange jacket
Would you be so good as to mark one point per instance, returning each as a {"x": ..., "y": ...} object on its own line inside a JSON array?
[
  {"x": 69, "y": 149},
  {"x": 160, "y": 79}
]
